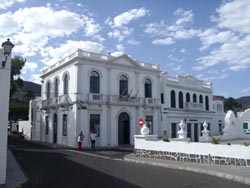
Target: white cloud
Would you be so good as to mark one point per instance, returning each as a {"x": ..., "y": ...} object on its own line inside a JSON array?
[
  {"x": 171, "y": 33},
  {"x": 245, "y": 90},
  {"x": 231, "y": 37},
  {"x": 133, "y": 42},
  {"x": 29, "y": 67},
  {"x": 120, "y": 34},
  {"x": 212, "y": 36},
  {"x": 126, "y": 17},
  {"x": 166, "y": 41},
  {"x": 36, "y": 78},
  {"x": 32, "y": 28},
  {"x": 117, "y": 53},
  {"x": 234, "y": 15},
  {"x": 4, "y": 4},
  {"x": 212, "y": 77},
  {"x": 119, "y": 23},
  {"x": 120, "y": 47},
  {"x": 51, "y": 55},
  {"x": 183, "y": 50},
  {"x": 183, "y": 16}
]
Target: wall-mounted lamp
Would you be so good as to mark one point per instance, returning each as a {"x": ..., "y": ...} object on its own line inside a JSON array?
[{"x": 7, "y": 47}]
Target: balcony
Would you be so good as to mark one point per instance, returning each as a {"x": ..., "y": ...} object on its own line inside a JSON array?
[
  {"x": 96, "y": 98},
  {"x": 124, "y": 100},
  {"x": 151, "y": 101},
  {"x": 194, "y": 106},
  {"x": 64, "y": 99}
]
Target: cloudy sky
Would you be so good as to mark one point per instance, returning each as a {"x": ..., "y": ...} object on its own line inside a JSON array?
[{"x": 209, "y": 39}]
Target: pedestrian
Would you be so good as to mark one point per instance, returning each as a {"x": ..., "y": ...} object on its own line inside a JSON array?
[
  {"x": 80, "y": 141},
  {"x": 92, "y": 139}
]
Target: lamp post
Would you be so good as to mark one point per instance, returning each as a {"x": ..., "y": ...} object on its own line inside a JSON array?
[{"x": 7, "y": 47}]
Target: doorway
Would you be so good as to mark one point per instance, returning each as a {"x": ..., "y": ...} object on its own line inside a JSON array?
[
  {"x": 123, "y": 129},
  {"x": 55, "y": 129}
]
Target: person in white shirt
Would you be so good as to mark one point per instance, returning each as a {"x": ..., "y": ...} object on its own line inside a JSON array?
[{"x": 92, "y": 139}]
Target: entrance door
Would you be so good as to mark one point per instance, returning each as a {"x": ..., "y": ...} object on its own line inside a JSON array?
[
  {"x": 196, "y": 133},
  {"x": 123, "y": 129},
  {"x": 189, "y": 130},
  {"x": 55, "y": 129}
]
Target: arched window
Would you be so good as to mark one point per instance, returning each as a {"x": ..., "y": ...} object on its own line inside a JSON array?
[
  {"x": 66, "y": 84},
  {"x": 207, "y": 103},
  {"x": 172, "y": 94},
  {"x": 148, "y": 88},
  {"x": 94, "y": 82},
  {"x": 123, "y": 85},
  {"x": 194, "y": 98},
  {"x": 56, "y": 87},
  {"x": 180, "y": 100},
  {"x": 48, "y": 86},
  {"x": 201, "y": 99},
  {"x": 187, "y": 97}
]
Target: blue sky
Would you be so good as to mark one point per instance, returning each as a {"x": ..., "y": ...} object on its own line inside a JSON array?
[{"x": 209, "y": 39}]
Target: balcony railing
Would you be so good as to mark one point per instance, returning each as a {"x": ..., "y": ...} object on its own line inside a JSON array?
[
  {"x": 64, "y": 99},
  {"x": 151, "y": 101},
  {"x": 115, "y": 99},
  {"x": 194, "y": 106},
  {"x": 95, "y": 97}
]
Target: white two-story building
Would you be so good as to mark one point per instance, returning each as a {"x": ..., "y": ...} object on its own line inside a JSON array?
[
  {"x": 92, "y": 92},
  {"x": 186, "y": 98},
  {"x": 98, "y": 93}
]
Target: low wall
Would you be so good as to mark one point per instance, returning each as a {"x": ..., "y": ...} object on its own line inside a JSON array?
[
  {"x": 193, "y": 152},
  {"x": 25, "y": 128}
]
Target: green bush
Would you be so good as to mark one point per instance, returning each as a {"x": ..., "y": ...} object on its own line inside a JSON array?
[{"x": 215, "y": 141}]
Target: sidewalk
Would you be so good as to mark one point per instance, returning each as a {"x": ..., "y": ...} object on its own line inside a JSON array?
[
  {"x": 235, "y": 173},
  {"x": 14, "y": 175}
]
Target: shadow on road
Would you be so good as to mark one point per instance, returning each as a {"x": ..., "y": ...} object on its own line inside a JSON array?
[{"x": 47, "y": 167}]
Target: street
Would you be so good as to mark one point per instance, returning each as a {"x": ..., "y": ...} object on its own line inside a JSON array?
[{"x": 54, "y": 167}]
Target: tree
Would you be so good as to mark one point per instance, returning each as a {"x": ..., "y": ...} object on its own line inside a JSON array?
[
  {"x": 17, "y": 110},
  {"x": 17, "y": 64},
  {"x": 230, "y": 104}
]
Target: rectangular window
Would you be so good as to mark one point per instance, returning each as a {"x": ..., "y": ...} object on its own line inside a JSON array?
[
  {"x": 47, "y": 125},
  {"x": 95, "y": 124},
  {"x": 65, "y": 122},
  {"x": 162, "y": 98},
  {"x": 149, "y": 123},
  {"x": 173, "y": 130}
]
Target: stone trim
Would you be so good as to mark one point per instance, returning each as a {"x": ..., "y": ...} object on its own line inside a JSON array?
[{"x": 188, "y": 157}]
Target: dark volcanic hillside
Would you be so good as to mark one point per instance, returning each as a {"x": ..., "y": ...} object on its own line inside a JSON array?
[
  {"x": 244, "y": 102},
  {"x": 29, "y": 91}
]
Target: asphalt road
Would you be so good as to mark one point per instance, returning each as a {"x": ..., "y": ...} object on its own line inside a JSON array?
[{"x": 48, "y": 167}]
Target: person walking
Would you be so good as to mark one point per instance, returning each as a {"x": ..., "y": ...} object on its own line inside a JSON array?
[
  {"x": 80, "y": 141},
  {"x": 92, "y": 139}
]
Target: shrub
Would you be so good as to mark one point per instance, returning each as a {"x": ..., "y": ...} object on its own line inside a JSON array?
[{"x": 215, "y": 141}]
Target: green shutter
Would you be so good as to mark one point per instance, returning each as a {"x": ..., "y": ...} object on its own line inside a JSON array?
[{"x": 245, "y": 125}]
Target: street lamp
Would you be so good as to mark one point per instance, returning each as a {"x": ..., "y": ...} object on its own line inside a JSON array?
[{"x": 7, "y": 47}]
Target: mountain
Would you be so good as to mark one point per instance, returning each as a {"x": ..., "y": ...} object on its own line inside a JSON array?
[
  {"x": 28, "y": 91},
  {"x": 244, "y": 102}
]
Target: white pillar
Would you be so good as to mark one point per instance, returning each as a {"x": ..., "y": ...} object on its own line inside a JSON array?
[{"x": 4, "y": 109}]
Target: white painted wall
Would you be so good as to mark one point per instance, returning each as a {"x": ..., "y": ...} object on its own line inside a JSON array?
[
  {"x": 234, "y": 125},
  {"x": 25, "y": 128},
  {"x": 233, "y": 151},
  {"x": 4, "y": 109}
]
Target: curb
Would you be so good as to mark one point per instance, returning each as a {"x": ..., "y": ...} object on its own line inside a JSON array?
[{"x": 130, "y": 158}]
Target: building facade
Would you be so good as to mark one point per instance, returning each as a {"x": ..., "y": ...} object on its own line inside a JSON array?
[
  {"x": 186, "y": 98},
  {"x": 91, "y": 92}
]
